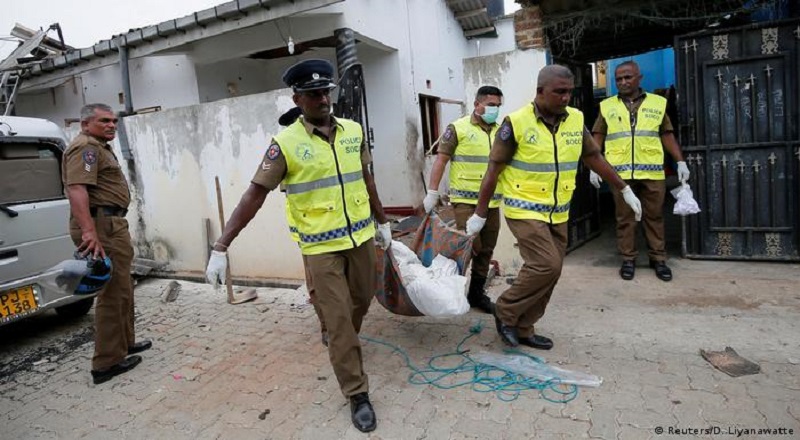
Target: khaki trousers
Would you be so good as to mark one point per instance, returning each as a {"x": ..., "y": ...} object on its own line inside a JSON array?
[
  {"x": 651, "y": 194},
  {"x": 542, "y": 247},
  {"x": 485, "y": 241},
  {"x": 312, "y": 295},
  {"x": 344, "y": 284},
  {"x": 113, "y": 310}
]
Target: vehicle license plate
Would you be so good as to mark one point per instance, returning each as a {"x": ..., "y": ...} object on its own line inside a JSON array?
[{"x": 17, "y": 302}]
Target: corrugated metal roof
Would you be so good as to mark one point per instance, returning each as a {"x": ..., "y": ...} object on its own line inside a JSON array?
[{"x": 473, "y": 16}]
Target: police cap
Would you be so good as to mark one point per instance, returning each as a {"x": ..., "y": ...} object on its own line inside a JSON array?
[{"x": 311, "y": 74}]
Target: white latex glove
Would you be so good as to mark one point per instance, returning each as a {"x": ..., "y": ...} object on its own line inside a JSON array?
[
  {"x": 683, "y": 172},
  {"x": 217, "y": 266},
  {"x": 475, "y": 224},
  {"x": 632, "y": 201},
  {"x": 384, "y": 236},
  {"x": 595, "y": 179},
  {"x": 430, "y": 201}
]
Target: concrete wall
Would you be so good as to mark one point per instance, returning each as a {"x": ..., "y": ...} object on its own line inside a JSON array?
[
  {"x": 166, "y": 81},
  {"x": 177, "y": 153},
  {"x": 245, "y": 76},
  {"x": 56, "y": 104}
]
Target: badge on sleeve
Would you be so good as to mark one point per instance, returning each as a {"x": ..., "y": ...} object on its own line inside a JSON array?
[
  {"x": 273, "y": 151},
  {"x": 449, "y": 133},
  {"x": 505, "y": 132},
  {"x": 89, "y": 159}
]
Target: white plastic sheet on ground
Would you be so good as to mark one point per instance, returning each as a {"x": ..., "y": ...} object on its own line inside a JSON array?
[
  {"x": 438, "y": 290},
  {"x": 685, "y": 204},
  {"x": 530, "y": 368}
]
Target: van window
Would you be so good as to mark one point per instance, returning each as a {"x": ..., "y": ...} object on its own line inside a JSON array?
[{"x": 29, "y": 171}]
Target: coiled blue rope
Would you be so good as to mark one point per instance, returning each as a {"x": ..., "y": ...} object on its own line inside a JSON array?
[{"x": 482, "y": 378}]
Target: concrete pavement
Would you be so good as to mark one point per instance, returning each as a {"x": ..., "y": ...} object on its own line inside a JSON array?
[{"x": 258, "y": 371}]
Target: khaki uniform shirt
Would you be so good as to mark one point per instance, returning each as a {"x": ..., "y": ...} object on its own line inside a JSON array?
[
  {"x": 601, "y": 126},
  {"x": 505, "y": 144},
  {"x": 91, "y": 162},
  {"x": 272, "y": 170}
]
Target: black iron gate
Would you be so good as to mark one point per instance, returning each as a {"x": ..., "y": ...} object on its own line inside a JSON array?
[
  {"x": 584, "y": 212},
  {"x": 738, "y": 92}
]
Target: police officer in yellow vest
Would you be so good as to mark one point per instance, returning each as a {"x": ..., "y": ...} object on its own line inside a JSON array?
[
  {"x": 286, "y": 120},
  {"x": 537, "y": 150},
  {"x": 331, "y": 194},
  {"x": 466, "y": 142},
  {"x": 635, "y": 126}
]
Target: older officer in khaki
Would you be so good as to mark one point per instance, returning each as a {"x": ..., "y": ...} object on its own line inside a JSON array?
[
  {"x": 99, "y": 197},
  {"x": 332, "y": 198},
  {"x": 636, "y": 130},
  {"x": 466, "y": 142},
  {"x": 537, "y": 150}
]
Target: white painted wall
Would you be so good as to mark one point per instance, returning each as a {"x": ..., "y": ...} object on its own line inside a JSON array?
[
  {"x": 245, "y": 76},
  {"x": 430, "y": 46},
  {"x": 55, "y": 104},
  {"x": 177, "y": 154},
  {"x": 166, "y": 81}
]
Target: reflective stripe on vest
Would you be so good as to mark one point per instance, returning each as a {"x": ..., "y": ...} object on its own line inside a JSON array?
[
  {"x": 325, "y": 190},
  {"x": 539, "y": 181},
  {"x": 635, "y": 153},
  {"x": 470, "y": 161}
]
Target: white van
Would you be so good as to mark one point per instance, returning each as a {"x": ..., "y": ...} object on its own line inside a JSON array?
[{"x": 34, "y": 222}]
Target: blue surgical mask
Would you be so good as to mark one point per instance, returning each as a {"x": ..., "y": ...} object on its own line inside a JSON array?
[{"x": 490, "y": 113}]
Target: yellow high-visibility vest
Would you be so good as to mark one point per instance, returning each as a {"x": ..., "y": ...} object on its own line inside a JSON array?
[
  {"x": 539, "y": 181},
  {"x": 325, "y": 190},
  {"x": 635, "y": 154},
  {"x": 469, "y": 162}
]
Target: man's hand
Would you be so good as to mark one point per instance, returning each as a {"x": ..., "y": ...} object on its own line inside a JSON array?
[
  {"x": 384, "y": 236},
  {"x": 431, "y": 200},
  {"x": 595, "y": 179},
  {"x": 90, "y": 244},
  {"x": 475, "y": 224},
  {"x": 683, "y": 172},
  {"x": 632, "y": 201},
  {"x": 217, "y": 266}
]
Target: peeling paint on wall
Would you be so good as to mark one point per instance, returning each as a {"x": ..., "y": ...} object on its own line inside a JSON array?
[
  {"x": 487, "y": 70},
  {"x": 177, "y": 153},
  {"x": 416, "y": 159}
]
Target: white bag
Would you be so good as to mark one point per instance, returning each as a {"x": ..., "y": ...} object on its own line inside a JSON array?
[
  {"x": 685, "y": 203},
  {"x": 437, "y": 291}
]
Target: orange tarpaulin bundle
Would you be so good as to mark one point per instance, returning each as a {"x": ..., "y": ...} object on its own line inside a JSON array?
[{"x": 433, "y": 238}]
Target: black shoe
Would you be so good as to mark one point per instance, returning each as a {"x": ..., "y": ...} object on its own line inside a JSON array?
[
  {"x": 325, "y": 338},
  {"x": 100, "y": 376},
  {"x": 627, "y": 270},
  {"x": 482, "y": 302},
  {"x": 663, "y": 272},
  {"x": 507, "y": 334},
  {"x": 537, "y": 341},
  {"x": 140, "y": 346},
  {"x": 362, "y": 414}
]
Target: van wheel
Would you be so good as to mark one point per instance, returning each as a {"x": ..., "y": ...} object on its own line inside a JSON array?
[{"x": 75, "y": 309}]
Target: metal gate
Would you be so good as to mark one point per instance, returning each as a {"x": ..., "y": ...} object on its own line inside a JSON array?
[
  {"x": 584, "y": 211},
  {"x": 738, "y": 94}
]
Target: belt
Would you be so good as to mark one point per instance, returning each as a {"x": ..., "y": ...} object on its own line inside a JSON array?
[{"x": 108, "y": 211}]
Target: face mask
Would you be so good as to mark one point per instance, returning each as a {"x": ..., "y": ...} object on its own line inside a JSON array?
[{"x": 490, "y": 114}]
